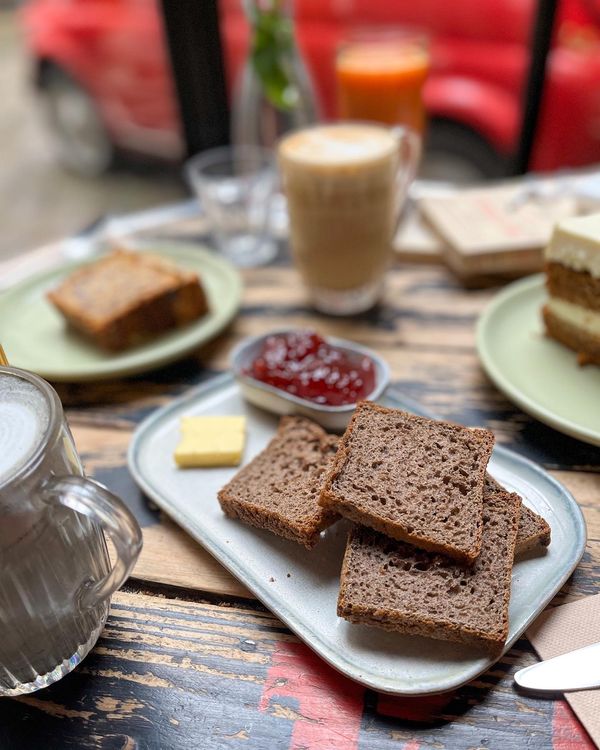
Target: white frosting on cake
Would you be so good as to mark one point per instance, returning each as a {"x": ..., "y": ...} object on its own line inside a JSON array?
[
  {"x": 576, "y": 243},
  {"x": 582, "y": 317}
]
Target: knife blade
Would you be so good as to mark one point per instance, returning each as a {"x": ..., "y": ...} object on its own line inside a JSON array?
[{"x": 575, "y": 670}]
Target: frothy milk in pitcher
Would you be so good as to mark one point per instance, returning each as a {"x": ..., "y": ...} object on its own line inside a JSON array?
[
  {"x": 24, "y": 420},
  {"x": 47, "y": 552}
]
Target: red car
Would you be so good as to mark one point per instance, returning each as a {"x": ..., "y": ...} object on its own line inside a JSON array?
[{"x": 102, "y": 68}]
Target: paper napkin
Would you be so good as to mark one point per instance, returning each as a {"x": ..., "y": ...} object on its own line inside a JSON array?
[{"x": 566, "y": 628}]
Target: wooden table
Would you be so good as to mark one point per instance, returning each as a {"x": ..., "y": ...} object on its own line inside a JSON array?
[{"x": 189, "y": 659}]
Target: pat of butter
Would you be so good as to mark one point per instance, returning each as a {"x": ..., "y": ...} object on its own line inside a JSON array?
[{"x": 210, "y": 441}]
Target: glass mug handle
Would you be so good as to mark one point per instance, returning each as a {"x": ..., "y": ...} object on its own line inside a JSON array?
[
  {"x": 91, "y": 499},
  {"x": 409, "y": 143}
]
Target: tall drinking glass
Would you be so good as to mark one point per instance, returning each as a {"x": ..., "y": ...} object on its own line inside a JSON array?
[
  {"x": 380, "y": 75},
  {"x": 345, "y": 184},
  {"x": 55, "y": 574}
]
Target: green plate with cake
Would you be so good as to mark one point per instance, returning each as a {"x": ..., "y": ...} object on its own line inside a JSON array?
[
  {"x": 119, "y": 314},
  {"x": 539, "y": 340}
]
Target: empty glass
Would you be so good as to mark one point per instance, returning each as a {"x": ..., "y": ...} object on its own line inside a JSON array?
[
  {"x": 235, "y": 186},
  {"x": 55, "y": 574}
]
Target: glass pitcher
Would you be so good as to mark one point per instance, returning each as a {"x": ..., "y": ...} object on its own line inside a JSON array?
[{"x": 55, "y": 574}]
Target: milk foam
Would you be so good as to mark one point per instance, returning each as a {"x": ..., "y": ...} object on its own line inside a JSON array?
[
  {"x": 24, "y": 420},
  {"x": 337, "y": 145}
]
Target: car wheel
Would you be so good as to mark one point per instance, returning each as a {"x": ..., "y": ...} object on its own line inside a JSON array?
[
  {"x": 454, "y": 152},
  {"x": 80, "y": 140}
]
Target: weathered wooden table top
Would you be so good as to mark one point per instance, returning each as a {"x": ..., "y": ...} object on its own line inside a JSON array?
[{"x": 189, "y": 659}]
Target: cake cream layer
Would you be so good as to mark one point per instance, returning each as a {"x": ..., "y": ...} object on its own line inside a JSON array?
[
  {"x": 575, "y": 315},
  {"x": 576, "y": 243}
]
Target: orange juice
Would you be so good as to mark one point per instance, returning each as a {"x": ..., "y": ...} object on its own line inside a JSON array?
[{"x": 382, "y": 80}]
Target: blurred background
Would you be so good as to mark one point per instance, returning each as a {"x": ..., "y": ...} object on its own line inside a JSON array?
[{"x": 102, "y": 100}]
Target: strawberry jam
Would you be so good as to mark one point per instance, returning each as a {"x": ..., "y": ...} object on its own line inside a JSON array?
[{"x": 304, "y": 364}]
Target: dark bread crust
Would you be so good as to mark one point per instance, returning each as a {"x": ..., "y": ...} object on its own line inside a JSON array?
[
  {"x": 279, "y": 488},
  {"x": 396, "y": 520},
  {"x": 125, "y": 298},
  {"x": 533, "y": 533},
  {"x": 394, "y": 586},
  {"x": 585, "y": 344}
]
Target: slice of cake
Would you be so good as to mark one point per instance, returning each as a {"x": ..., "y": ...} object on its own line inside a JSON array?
[
  {"x": 126, "y": 298},
  {"x": 397, "y": 587},
  {"x": 572, "y": 314},
  {"x": 278, "y": 490},
  {"x": 534, "y": 532},
  {"x": 414, "y": 479}
]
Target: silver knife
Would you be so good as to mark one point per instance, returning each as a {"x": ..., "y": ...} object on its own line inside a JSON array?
[{"x": 576, "y": 670}]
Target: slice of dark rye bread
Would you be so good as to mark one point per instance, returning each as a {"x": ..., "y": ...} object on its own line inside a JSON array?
[
  {"x": 414, "y": 479},
  {"x": 533, "y": 533},
  {"x": 278, "y": 490},
  {"x": 395, "y": 586}
]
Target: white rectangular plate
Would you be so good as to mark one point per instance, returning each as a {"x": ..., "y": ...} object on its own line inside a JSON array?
[{"x": 301, "y": 586}]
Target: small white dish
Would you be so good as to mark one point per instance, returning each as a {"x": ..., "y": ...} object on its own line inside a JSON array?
[{"x": 280, "y": 402}]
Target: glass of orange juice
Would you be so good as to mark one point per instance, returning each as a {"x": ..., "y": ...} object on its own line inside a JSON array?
[{"x": 380, "y": 75}]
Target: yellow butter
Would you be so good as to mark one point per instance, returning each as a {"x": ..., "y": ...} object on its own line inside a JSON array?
[{"x": 210, "y": 441}]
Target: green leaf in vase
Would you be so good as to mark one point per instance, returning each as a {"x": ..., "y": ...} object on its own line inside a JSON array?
[{"x": 272, "y": 48}]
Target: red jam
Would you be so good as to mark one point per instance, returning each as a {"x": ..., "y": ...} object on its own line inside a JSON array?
[{"x": 304, "y": 364}]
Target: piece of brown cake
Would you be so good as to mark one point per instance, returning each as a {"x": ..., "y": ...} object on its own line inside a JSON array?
[
  {"x": 126, "y": 298},
  {"x": 533, "y": 533},
  {"x": 414, "y": 479},
  {"x": 279, "y": 488},
  {"x": 393, "y": 585}
]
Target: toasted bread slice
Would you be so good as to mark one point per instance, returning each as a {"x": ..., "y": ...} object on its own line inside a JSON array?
[
  {"x": 414, "y": 479},
  {"x": 278, "y": 490},
  {"x": 534, "y": 532},
  {"x": 393, "y": 585}
]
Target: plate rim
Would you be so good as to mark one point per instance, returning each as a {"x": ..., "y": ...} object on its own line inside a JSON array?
[
  {"x": 526, "y": 286},
  {"x": 108, "y": 369},
  {"x": 334, "y": 659}
]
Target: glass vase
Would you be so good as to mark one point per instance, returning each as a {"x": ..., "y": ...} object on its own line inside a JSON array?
[{"x": 274, "y": 93}]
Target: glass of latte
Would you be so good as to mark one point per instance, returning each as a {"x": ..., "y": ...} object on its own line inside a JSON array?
[
  {"x": 55, "y": 575},
  {"x": 345, "y": 184}
]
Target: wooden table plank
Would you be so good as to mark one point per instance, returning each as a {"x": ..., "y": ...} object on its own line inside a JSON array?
[
  {"x": 172, "y": 557},
  {"x": 194, "y": 674}
]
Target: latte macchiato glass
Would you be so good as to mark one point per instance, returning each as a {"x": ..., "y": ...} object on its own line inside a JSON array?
[
  {"x": 55, "y": 574},
  {"x": 345, "y": 184}
]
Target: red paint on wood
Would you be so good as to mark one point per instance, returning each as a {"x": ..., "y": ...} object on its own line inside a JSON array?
[
  {"x": 567, "y": 732},
  {"x": 329, "y": 706},
  {"x": 413, "y": 709}
]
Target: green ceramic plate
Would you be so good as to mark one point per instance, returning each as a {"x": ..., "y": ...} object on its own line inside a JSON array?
[
  {"x": 35, "y": 337},
  {"x": 538, "y": 374}
]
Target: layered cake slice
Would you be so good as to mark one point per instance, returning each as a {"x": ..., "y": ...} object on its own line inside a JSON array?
[{"x": 572, "y": 314}]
